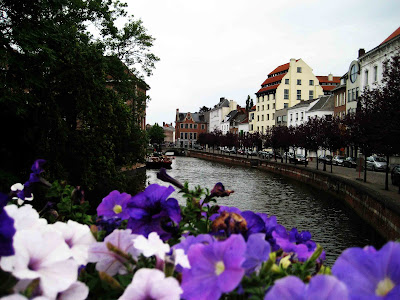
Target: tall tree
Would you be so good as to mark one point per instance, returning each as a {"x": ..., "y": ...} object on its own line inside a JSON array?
[
  {"x": 64, "y": 92},
  {"x": 156, "y": 134}
]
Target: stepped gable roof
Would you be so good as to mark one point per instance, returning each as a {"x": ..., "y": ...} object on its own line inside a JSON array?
[
  {"x": 324, "y": 103},
  {"x": 197, "y": 117},
  {"x": 393, "y": 35},
  {"x": 273, "y": 79}
]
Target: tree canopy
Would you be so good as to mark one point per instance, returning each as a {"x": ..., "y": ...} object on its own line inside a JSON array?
[
  {"x": 156, "y": 134},
  {"x": 65, "y": 90}
]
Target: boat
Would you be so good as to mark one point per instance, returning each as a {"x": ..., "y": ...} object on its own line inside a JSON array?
[{"x": 158, "y": 161}]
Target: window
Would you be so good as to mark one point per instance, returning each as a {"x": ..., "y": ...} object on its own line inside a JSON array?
[
  {"x": 337, "y": 101},
  {"x": 366, "y": 77},
  {"x": 268, "y": 107},
  {"x": 181, "y": 135},
  {"x": 349, "y": 96},
  {"x": 375, "y": 73},
  {"x": 310, "y": 95},
  {"x": 298, "y": 69},
  {"x": 186, "y": 135},
  {"x": 258, "y": 118},
  {"x": 195, "y": 136},
  {"x": 202, "y": 126},
  {"x": 286, "y": 94},
  {"x": 297, "y": 116},
  {"x": 191, "y": 136},
  {"x": 356, "y": 94},
  {"x": 353, "y": 73},
  {"x": 311, "y": 82},
  {"x": 302, "y": 115},
  {"x": 273, "y": 105},
  {"x": 279, "y": 119},
  {"x": 298, "y": 81},
  {"x": 251, "y": 127},
  {"x": 285, "y": 105},
  {"x": 298, "y": 94},
  {"x": 262, "y": 128},
  {"x": 262, "y": 117},
  {"x": 286, "y": 81},
  {"x": 258, "y": 108},
  {"x": 191, "y": 126},
  {"x": 262, "y": 108},
  {"x": 186, "y": 125},
  {"x": 291, "y": 117},
  {"x": 195, "y": 126}
]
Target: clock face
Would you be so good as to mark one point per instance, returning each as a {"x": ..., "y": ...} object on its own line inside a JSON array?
[{"x": 353, "y": 73}]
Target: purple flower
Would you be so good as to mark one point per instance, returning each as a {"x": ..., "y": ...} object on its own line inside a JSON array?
[
  {"x": 370, "y": 274},
  {"x": 193, "y": 240},
  {"x": 229, "y": 209},
  {"x": 162, "y": 175},
  {"x": 108, "y": 225},
  {"x": 219, "y": 191},
  {"x": 215, "y": 269},
  {"x": 7, "y": 229},
  {"x": 257, "y": 252},
  {"x": 114, "y": 205},
  {"x": 321, "y": 287},
  {"x": 37, "y": 167},
  {"x": 151, "y": 211}
]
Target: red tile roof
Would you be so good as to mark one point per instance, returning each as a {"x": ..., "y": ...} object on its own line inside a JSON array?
[
  {"x": 280, "y": 69},
  {"x": 328, "y": 87},
  {"x": 321, "y": 79},
  {"x": 272, "y": 87},
  {"x": 393, "y": 35},
  {"x": 273, "y": 79}
]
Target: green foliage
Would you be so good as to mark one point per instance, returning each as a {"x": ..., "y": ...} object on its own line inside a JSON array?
[
  {"x": 75, "y": 98},
  {"x": 156, "y": 134}
]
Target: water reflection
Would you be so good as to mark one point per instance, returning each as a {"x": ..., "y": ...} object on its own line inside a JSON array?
[{"x": 294, "y": 204}]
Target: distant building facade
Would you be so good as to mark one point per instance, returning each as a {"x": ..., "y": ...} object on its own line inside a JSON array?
[
  {"x": 188, "y": 126},
  {"x": 169, "y": 132}
]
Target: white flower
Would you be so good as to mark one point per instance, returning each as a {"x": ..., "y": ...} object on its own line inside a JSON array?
[
  {"x": 78, "y": 237},
  {"x": 17, "y": 187},
  {"x": 153, "y": 245},
  {"x": 181, "y": 258},
  {"x": 25, "y": 217},
  {"x": 77, "y": 291},
  {"x": 152, "y": 284},
  {"x": 42, "y": 255}
]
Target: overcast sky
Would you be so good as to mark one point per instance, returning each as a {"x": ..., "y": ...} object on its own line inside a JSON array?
[{"x": 217, "y": 48}]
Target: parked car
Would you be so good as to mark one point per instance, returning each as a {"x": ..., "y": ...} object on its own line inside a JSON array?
[
  {"x": 338, "y": 160},
  {"x": 251, "y": 152},
  {"x": 395, "y": 174},
  {"x": 349, "y": 162},
  {"x": 233, "y": 150},
  {"x": 300, "y": 159},
  {"x": 376, "y": 163},
  {"x": 241, "y": 152},
  {"x": 325, "y": 158}
]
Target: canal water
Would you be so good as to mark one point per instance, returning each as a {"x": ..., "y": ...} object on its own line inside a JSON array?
[{"x": 330, "y": 222}]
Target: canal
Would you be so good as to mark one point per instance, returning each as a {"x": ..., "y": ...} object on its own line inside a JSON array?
[{"x": 330, "y": 222}]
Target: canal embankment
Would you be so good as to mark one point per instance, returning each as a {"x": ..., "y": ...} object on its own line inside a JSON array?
[{"x": 373, "y": 206}]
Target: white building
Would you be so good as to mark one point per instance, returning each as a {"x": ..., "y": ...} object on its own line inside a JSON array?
[
  {"x": 296, "y": 114},
  {"x": 219, "y": 112},
  {"x": 371, "y": 63}
]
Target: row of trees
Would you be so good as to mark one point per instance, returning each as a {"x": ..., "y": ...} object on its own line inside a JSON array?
[
  {"x": 64, "y": 92},
  {"x": 373, "y": 129}
]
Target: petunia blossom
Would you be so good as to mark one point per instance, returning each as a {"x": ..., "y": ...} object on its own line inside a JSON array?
[
  {"x": 108, "y": 261},
  {"x": 7, "y": 229},
  {"x": 370, "y": 274},
  {"x": 215, "y": 268},
  {"x": 321, "y": 287},
  {"x": 42, "y": 255},
  {"x": 78, "y": 237},
  {"x": 257, "y": 252},
  {"x": 152, "y": 245},
  {"x": 16, "y": 189},
  {"x": 151, "y": 211},
  {"x": 25, "y": 217},
  {"x": 152, "y": 284},
  {"x": 114, "y": 205}
]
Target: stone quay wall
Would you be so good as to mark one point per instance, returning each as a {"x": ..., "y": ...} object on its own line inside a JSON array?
[{"x": 381, "y": 212}]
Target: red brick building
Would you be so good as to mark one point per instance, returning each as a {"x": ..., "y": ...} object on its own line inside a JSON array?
[{"x": 188, "y": 127}]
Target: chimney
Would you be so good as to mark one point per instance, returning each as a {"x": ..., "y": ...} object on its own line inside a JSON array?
[
  {"x": 330, "y": 77},
  {"x": 361, "y": 52},
  {"x": 221, "y": 99},
  {"x": 163, "y": 124}
]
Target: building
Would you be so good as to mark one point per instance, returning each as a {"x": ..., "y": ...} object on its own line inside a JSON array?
[
  {"x": 285, "y": 87},
  {"x": 372, "y": 62},
  {"x": 169, "y": 131},
  {"x": 296, "y": 114},
  {"x": 328, "y": 83},
  {"x": 281, "y": 117},
  {"x": 252, "y": 113},
  {"x": 235, "y": 119},
  {"x": 323, "y": 108},
  {"x": 339, "y": 94},
  {"x": 218, "y": 113},
  {"x": 188, "y": 126}
]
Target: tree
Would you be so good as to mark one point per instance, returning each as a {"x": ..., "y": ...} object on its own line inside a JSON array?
[
  {"x": 156, "y": 134},
  {"x": 64, "y": 93},
  {"x": 204, "y": 109}
]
